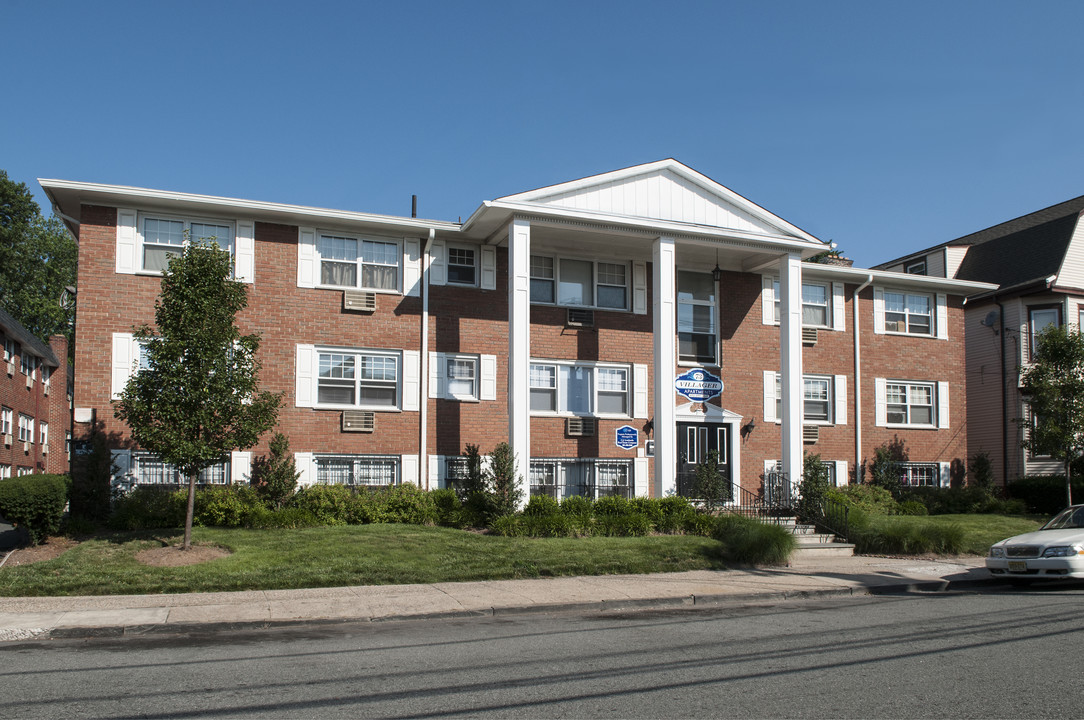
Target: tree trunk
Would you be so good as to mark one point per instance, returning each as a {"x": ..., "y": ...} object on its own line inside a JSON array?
[
  {"x": 1068, "y": 482},
  {"x": 191, "y": 511}
]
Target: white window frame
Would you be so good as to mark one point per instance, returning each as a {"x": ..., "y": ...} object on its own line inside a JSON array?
[
  {"x": 913, "y": 474},
  {"x": 915, "y": 267},
  {"x": 359, "y": 261},
  {"x": 358, "y": 357},
  {"x": 836, "y": 400},
  {"x": 560, "y": 397},
  {"x": 590, "y": 472},
  {"x": 474, "y": 250},
  {"x": 363, "y": 470},
  {"x": 148, "y": 469},
  {"x": 555, "y": 281},
  {"x": 5, "y": 472},
  {"x": 713, "y": 304},
  {"x": 832, "y": 296},
  {"x": 26, "y": 428},
  {"x": 468, "y": 362},
  {"x": 43, "y": 432},
  {"x": 909, "y": 386},
  {"x": 29, "y": 365},
  {"x": 23, "y": 471},
  {"x": 187, "y": 222},
  {"x": 1033, "y": 332},
  {"x": 907, "y": 314},
  {"x": 11, "y": 349},
  {"x": 7, "y": 419}
]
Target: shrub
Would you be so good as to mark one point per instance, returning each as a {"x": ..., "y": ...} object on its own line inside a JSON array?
[
  {"x": 542, "y": 506},
  {"x": 149, "y": 508},
  {"x": 578, "y": 505},
  {"x": 649, "y": 508},
  {"x": 611, "y": 505},
  {"x": 871, "y": 499},
  {"x": 751, "y": 542},
  {"x": 35, "y": 503},
  {"x": 91, "y": 487},
  {"x": 627, "y": 525},
  {"x": 885, "y": 470},
  {"x": 274, "y": 476},
  {"x": 502, "y": 481},
  {"x": 225, "y": 506},
  {"x": 982, "y": 472},
  {"x": 449, "y": 509},
  {"x": 912, "y": 507},
  {"x": 908, "y": 536},
  {"x": 508, "y": 526},
  {"x": 329, "y": 504},
  {"x": 553, "y": 525},
  {"x": 959, "y": 500},
  {"x": 1045, "y": 494},
  {"x": 700, "y": 524},
  {"x": 709, "y": 485},
  {"x": 289, "y": 518},
  {"x": 813, "y": 489},
  {"x": 475, "y": 481},
  {"x": 405, "y": 503}
]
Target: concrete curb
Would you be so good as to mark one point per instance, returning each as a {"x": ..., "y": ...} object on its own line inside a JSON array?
[{"x": 599, "y": 607}]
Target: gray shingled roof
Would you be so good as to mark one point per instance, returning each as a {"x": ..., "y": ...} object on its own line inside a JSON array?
[
  {"x": 1020, "y": 256},
  {"x": 14, "y": 329}
]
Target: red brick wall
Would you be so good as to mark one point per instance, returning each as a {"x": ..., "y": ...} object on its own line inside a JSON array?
[{"x": 51, "y": 408}]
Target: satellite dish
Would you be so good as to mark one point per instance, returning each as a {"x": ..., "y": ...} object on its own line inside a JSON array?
[{"x": 990, "y": 320}]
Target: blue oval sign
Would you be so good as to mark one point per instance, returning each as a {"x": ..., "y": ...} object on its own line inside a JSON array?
[
  {"x": 627, "y": 437},
  {"x": 698, "y": 385}
]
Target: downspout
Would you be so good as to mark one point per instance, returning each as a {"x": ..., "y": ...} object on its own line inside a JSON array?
[
  {"x": 858, "y": 381},
  {"x": 1004, "y": 400},
  {"x": 423, "y": 386}
]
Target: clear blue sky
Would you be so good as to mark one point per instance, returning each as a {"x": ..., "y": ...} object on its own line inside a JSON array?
[{"x": 885, "y": 126}]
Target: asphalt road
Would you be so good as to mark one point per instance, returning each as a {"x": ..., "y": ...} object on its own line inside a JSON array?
[{"x": 1000, "y": 653}]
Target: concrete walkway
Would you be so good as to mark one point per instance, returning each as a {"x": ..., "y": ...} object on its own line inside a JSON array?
[{"x": 116, "y": 615}]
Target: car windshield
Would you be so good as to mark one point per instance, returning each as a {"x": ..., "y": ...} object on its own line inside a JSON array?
[{"x": 1068, "y": 518}]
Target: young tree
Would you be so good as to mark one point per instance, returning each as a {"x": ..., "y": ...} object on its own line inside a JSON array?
[
  {"x": 196, "y": 398},
  {"x": 1053, "y": 388},
  {"x": 274, "y": 476},
  {"x": 37, "y": 262},
  {"x": 506, "y": 493}
]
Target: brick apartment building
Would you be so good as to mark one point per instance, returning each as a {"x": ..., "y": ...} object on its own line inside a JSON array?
[
  {"x": 613, "y": 329},
  {"x": 35, "y": 402}
]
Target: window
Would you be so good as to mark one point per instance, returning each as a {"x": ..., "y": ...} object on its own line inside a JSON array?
[
  {"x": 579, "y": 389},
  {"x": 462, "y": 376},
  {"x": 908, "y": 313},
  {"x": 560, "y": 478},
  {"x": 149, "y": 469},
  {"x": 164, "y": 238},
  {"x": 815, "y": 303},
  {"x": 817, "y": 401},
  {"x": 456, "y": 471},
  {"x": 358, "y": 263},
  {"x": 358, "y": 379},
  {"x": 1040, "y": 319},
  {"x": 46, "y": 375},
  {"x": 579, "y": 283},
  {"x": 5, "y": 472},
  {"x": 43, "y": 433},
  {"x": 22, "y": 471},
  {"x": 11, "y": 349},
  {"x": 915, "y": 267},
  {"x": 26, "y": 428},
  {"x": 909, "y": 403},
  {"x": 920, "y": 474},
  {"x": 696, "y": 318},
  {"x": 6, "y": 417},
  {"x": 29, "y": 365},
  {"x": 364, "y": 470},
  {"x": 462, "y": 266}
]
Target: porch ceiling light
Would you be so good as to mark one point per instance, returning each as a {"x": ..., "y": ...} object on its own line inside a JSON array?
[{"x": 717, "y": 273}]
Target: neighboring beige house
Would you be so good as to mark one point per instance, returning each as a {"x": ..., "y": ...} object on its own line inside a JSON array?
[{"x": 1038, "y": 263}]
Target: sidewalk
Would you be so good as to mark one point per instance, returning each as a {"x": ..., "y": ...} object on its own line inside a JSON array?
[{"x": 116, "y": 615}]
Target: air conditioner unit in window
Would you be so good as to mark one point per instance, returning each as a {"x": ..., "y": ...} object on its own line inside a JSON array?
[
  {"x": 811, "y": 433},
  {"x": 45, "y": 389},
  {"x": 579, "y": 427},
  {"x": 26, "y": 446},
  {"x": 44, "y": 449},
  {"x": 11, "y": 368},
  {"x": 359, "y": 301},
  {"x": 578, "y": 317},
  {"x": 358, "y": 421},
  {"x": 29, "y": 382},
  {"x": 809, "y": 336},
  {"x": 7, "y": 440}
]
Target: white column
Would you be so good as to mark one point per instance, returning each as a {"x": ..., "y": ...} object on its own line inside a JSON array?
[
  {"x": 665, "y": 337},
  {"x": 519, "y": 346},
  {"x": 790, "y": 352}
]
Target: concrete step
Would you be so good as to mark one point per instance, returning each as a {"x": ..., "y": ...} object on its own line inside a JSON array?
[
  {"x": 815, "y": 539},
  {"x": 826, "y": 550}
]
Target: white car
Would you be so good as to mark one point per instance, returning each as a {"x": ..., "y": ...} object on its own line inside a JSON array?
[{"x": 1054, "y": 551}]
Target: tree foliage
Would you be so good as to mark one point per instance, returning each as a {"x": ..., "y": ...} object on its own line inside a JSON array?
[
  {"x": 196, "y": 397},
  {"x": 275, "y": 475},
  {"x": 813, "y": 489},
  {"x": 1053, "y": 388},
  {"x": 709, "y": 484},
  {"x": 37, "y": 261}
]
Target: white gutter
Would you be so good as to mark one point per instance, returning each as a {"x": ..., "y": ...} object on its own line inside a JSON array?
[
  {"x": 858, "y": 380},
  {"x": 423, "y": 386}
]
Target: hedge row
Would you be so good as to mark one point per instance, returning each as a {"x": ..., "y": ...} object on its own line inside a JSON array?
[{"x": 35, "y": 503}]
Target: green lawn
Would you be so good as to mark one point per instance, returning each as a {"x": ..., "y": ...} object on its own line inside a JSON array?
[
  {"x": 349, "y": 555},
  {"x": 982, "y": 531}
]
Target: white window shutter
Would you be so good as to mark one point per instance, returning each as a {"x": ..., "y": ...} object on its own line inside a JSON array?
[
  {"x": 639, "y": 288},
  {"x": 640, "y": 477},
  {"x": 841, "y": 473},
  {"x": 942, "y": 405},
  {"x": 839, "y": 317},
  {"x": 489, "y": 268},
  {"x": 435, "y": 475},
  {"x": 880, "y": 398},
  {"x": 307, "y": 262},
  {"x": 878, "y": 311},
  {"x": 436, "y": 375},
  {"x": 412, "y": 267},
  {"x": 408, "y": 465},
  {"x": 411, "y": 379},
  {"x": 942, "y": 316},
  {"x": 305, "y": 376},
  {"x": 244, "y": 257},
  {"x": 767, "y": 300},
  {"x": 488, "y": 371},
  {"x": 839, "y": 391},
  {"x": 438, "y": 268},
  {"x": 122, "y": 459},
  {"x": 306, "y": 466},
  {"x": 946, "y": 474},
  {"x": 770, "y": 466},
  {"x": 639, "y": 391},
  {"x": 769, "y": 396},
  {"x": 123, "y": 363},
  {"x": 240, "y": 467},
  {"x": 127, "y": 242}
]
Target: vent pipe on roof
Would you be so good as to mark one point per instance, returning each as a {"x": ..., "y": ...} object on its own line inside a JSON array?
[{"x": 413, "y": 206}]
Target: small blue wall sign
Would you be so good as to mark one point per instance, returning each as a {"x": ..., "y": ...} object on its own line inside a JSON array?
[
  {"x": 698, "y": 385},
  {"x": 627, "y": 437}
]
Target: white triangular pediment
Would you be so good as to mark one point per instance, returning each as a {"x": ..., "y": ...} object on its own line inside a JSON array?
[{"x": 666, "y": 191}]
